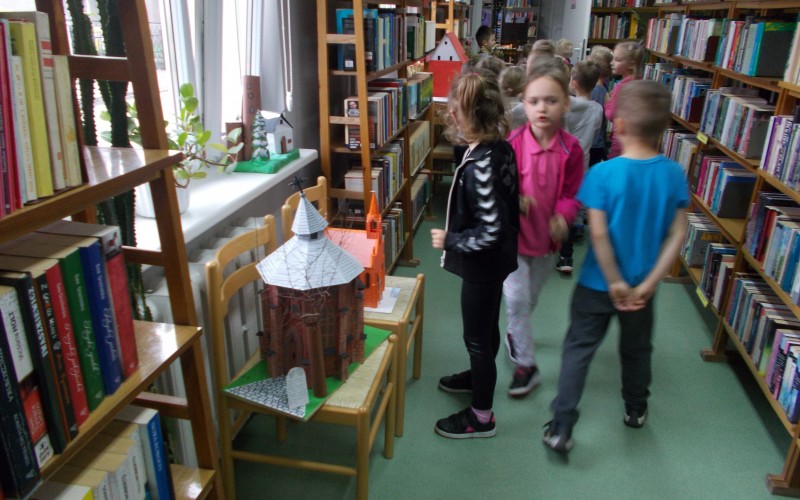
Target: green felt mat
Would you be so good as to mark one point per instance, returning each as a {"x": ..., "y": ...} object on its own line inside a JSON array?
[{"x": 271, "y": 166}]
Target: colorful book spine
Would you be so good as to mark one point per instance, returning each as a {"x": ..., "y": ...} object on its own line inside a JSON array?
[
  {"x": 149, "y": 425},
  {"x": 27, "y": 171},
  {"x": 8, "y": 151}
]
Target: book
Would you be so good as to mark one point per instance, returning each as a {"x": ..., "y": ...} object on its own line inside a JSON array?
[
  {"x": 148, "y": 423},
  {"x": 52, "y": 490},
  {"x": 20, "y": 471},
  {"x": 9, "y": 177},
  {"x": 117, "y": 280},
  {"x": 66, "y": 122},
  {"x": 24, "y": 45},
  {"x": 41, "y": 355},
  {"x": 25, "y": 162},
  {"x": 772, "y": 46},
  {"x": 78, "y": 302},
  {"x": 44, "y": 59},
  {"x": 134, "y": 459},
  {"x": 100, "y": 306},
  {"x": 123, "y": 437},
  {"x": 96, "y": 480},
  {"x": 118, "y": 468},
  {"x": 47, "y": 276}
]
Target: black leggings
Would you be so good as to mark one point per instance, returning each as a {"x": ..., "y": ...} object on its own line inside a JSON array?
[{"x": 480, "y": 313}]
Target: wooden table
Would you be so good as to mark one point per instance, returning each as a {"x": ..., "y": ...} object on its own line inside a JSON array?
[{"x": 410, "y": 304}]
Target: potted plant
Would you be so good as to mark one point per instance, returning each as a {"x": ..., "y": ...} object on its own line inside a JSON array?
[{"x": 192, "y": 138}]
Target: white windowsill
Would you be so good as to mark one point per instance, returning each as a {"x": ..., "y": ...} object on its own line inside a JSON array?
[{"x": 214, "y": 198}]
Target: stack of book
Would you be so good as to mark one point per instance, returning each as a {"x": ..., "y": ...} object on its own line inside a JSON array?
[
  {"x": 680, "y": 145},
  {"x": 67, "y": 336},
  {"x": 38, "y": 137},
  {"x": 723, "y": 185},
  {"x": 738, "y": 118}
]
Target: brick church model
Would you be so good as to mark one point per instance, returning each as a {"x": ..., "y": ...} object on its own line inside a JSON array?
[{"x": 312, "y": 304}]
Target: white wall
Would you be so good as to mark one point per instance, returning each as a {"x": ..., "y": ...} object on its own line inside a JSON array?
[{"x": 566, "y": 19}]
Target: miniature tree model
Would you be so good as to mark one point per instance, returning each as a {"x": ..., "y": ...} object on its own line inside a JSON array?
[{"x": 260, "y": 141}]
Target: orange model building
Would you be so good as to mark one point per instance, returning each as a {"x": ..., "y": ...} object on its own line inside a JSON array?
[{"x": 367, "y": 247}]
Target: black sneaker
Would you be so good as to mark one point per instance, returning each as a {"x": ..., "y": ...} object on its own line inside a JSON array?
[
  {"x": 635, "y": 417},
  {"x": 557, "y": 437},
  {"x": 465, "y": 425},
  {"x": 564, "y": 265},
  {"x": 525, "y": 380},
  {"x": 458, "y": 382}
]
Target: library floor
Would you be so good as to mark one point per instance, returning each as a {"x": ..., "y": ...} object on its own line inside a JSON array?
[{"x": 710, "y": 433}]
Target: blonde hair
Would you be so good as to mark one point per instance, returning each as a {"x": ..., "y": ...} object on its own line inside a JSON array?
[
  {"x": 553, "y": 68},
  {"x": 633, "y": 53},
  {"x": 602, "y": 57},
  {"x": 492, "y": 64},
  {"x": 541, "y": 48},
  {"x": 512, "y": 81},
  {"x": 476, "y": 99},
  {"x": 644, "y": 106},
  {"x": 564, "y": 48}
]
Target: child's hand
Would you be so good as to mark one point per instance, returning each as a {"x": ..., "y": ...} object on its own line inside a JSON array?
[
  {"x": 620, "y": 292},
  {"x": 639, "y": 297},
  {"x": 437, "y": 238},
  {"x": 559, "y": 230},
  {"x": 525, "y": 202}
]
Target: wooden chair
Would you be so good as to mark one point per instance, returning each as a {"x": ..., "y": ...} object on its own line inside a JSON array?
[
  {"x": 366, "y": 399},
  {"x": 317, "y": 195}
]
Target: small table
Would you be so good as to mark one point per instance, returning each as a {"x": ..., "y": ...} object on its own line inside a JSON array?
[{"x": 411, "y": 301}]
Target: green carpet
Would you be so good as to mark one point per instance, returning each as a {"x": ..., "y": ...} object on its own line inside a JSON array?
[{"x": 710, "y": 432}]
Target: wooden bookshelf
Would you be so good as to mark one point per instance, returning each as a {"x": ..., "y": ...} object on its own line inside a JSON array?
[
  {"x": 111, "y": 171},
  {"x": 786, "y": 97}
]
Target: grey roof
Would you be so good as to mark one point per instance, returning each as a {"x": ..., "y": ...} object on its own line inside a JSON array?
[{"x": 309, "y": 259}]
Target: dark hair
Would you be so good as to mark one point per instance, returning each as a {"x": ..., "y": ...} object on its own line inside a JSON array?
[
  {"x": 482, "y": 34},
  {"x": 644, "y": 105},
  {"x": 585, "y": 73},
  {"x": 476, "y": 98}
]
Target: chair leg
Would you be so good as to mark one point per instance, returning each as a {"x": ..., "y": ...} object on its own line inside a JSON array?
[
  {"x": 420, "y": 317},
  {"x": 362, "y": 455},
  {"x": 392, "y": 419},
  {"x": 226, "y": 449},
  {"x": 280, "y": 425}
]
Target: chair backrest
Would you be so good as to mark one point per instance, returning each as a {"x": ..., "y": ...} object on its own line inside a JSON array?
[
  {"x": 315, "y": 194},
  {"x": 231, "y": 270}
]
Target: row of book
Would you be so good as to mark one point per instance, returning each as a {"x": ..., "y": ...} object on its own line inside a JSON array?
[
  {"x": 419, "y": 145},
  {"x": 420, "y": 196},
  {"x": 738, "y": 118},
  {"x": 388, "y": 37},
  {"x": 688, "y": 95},
  {"x": 127, "y": 460},
  {"x": 700, "y": 233},
  {"x": 613, "y": 26},
  {"x": 781, "y": 154},
  {"x": 390, "y": 103},
  {"x": 723, "y": 185},
  {"x": 745, "y": 46},
  {"x": 39, "y": 152},
  {"x": 67, "y": 330},
  {"x": 717, "y": 270},
  {"x": 769, "y": 333},
  {"x": 386, "y": 170},
  {"x": 680, "y": 145},
  {"x": 620, "y": 3}
]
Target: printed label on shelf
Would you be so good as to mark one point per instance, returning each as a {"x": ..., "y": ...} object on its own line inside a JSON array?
[
  {"x": 702, "y": 297},
  {"x": 702, "y": 137}
]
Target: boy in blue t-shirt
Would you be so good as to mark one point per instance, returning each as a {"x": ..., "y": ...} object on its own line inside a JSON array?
[{"x": 637, "y": 220}]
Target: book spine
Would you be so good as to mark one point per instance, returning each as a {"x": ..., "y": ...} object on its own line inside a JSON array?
[
  {"x": 160, "y": 464},
  {"x": 102, "y": 313},
  {"x": 58, "y": 367},
  {"x": 75, "y": 287},
  {"x": 42, "y": 361},
  {"x": 23, "y": 132},
  {"x": 66, "y": 122},
  {"x": 66, "y": 337},
  {"x": 37, "y": 427},
  {"x": 23, "y": 36},
  {"x": 8, "y": 149},
  {"x": 20, "y": 472},
  {"x": 118, "y": 285}
]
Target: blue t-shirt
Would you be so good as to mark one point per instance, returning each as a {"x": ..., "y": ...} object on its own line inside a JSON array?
[{"x": 640, "y": 198}]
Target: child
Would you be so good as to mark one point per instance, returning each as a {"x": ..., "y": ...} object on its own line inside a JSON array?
[
  {"x": 484, "y": 37},
  {"x": 602, "y": 56},
  {"x": 583, "y": 121},
  {"x": 492, "y": 64},
  {"x": 550, "y": 165},
  {"x": 479, "y": 241},
  {"x": 543, "y": 48},
  {"x": 512, "y": 79},
  {"x": 627, "y": 60},
  {"x": 637, "y": 204},
  {"x": 564, "y": 51}
]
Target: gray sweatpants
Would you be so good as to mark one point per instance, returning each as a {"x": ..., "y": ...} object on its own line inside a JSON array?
[{"x": 590, "y": 314}]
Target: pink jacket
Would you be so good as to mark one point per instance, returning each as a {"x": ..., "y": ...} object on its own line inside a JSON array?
[{"x": 550, "y": 176}]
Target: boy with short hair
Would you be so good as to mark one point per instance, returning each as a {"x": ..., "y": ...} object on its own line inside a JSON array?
[
  {"x": 485, "y": 39},
  {"x": 637, "y": 218},
  {"x": 583, "y": 120}
]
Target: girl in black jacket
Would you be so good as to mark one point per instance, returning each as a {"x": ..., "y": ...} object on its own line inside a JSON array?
[{"x": 479, "y": 241}]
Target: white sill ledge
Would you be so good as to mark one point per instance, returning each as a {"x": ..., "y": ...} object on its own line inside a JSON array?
[{"x": 216, "y": 197}]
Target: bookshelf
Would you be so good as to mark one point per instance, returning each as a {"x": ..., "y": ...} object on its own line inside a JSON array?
[
  {"x": 357, "y": 84},
  {"x": 518, "y": 22},
  {"x": 614, "y": 21},
  {"x": 451, "y": 16},
  {"x": 698, "y": 58},
  {"x": 111, "y": 171}
]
